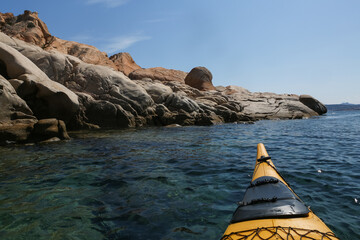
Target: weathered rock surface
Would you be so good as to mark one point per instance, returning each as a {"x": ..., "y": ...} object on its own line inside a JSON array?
[
  {"x": 313, "y": 104},
  {"x": 46, "y": 129},
  {"x": 30, "y": 28},
  {"x": 14, "y": 132},
  {"x": 158, "y": 91},
  {"x": 27, "y": 27},
  {"x": 269, "y": 105},
  {"x": 32, "y": 130},
  {"x": 119, "y": 101},
  {"x": 18, "y": 124},
  {"x": 110, "y": 99},
  {"x": 45, "y": 97},
  {"x": 26, "y": 94},
  {"x": 11, "y": 105},
  {"x": 86, "y": 53},
  {"x": 158, "y": 73},
  {"x": 52, "y": 86},
  {"x": 200, "y": 78},
  {"x": 16, "y": 118},
  {"x": 124, "y": 63}
]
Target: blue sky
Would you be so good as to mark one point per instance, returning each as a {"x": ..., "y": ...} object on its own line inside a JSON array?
[{"x": 302, "y": 47}]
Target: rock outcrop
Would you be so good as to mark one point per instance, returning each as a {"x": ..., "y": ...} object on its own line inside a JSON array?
[
  {"x": 18, "y": 124},
  {"x": 27, "y": 27},
  {"x": 45, "y": 97},
  {"x": 43, "y": 89},
  {"x": 16, "y": 118},
  {"x": 49, "y": 130},
  {"x": 107, "y": 97},
  {"x": 124, "y": 63},
  {"x": 86, "y": 53},
  {"x": 11, "y": 105},
  {"x": 30, "y": 28},
  {"x": 200, "y": 78},
  {"x": 158, "y": 73},
  {"x": 313, "y": 104},
  {"x": 270, "y": 105}
]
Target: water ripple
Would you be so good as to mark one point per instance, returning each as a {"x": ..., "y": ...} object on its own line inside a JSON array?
[{"x": 175, "y": 183}]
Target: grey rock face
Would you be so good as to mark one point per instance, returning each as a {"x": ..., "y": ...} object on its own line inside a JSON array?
[
  {"x": 269, "y": 105},
  {"x": 45, "y": 97},
  {"x": 177, "y": 101},
  {"x": 16, "y": 118},
  {"x": 158, "y": 91},
  {"x": 313, "y": 104},
  {"x": 91, "y": 96},
  {"x": 18, "y": 124},
  {"x": 118, "y": 99},
  {"x": 11, "y": 105}
]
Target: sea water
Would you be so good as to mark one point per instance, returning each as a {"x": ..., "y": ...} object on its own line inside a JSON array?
[{"x": 175, "y": 183}]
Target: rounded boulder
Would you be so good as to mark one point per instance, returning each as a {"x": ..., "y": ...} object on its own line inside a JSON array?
[
  {"x": 200, "y": 78},
  {"x": 313, "y": 104}
]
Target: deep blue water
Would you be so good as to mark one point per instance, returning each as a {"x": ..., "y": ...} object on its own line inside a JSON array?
[{"x": 175, "y": 183}]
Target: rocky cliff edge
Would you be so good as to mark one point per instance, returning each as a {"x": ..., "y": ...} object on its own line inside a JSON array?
[{"x": 47, "y": 84}]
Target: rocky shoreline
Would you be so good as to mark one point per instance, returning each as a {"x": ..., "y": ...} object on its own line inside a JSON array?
[{"x": 48, "y": 84}]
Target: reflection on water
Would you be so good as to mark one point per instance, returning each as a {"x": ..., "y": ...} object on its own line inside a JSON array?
[{"x": 175, "y": 183}]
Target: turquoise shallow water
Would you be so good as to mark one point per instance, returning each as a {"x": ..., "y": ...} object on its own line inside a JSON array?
[{"x": 175, "y": 183}]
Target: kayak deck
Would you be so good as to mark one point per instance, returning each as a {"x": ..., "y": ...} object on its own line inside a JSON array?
[{"x": 282, "y": 222}]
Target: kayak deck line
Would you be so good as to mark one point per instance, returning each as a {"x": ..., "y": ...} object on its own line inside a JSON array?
[
  {"x": 279, "y": 232},
  {"x": 270, "y": 209}
]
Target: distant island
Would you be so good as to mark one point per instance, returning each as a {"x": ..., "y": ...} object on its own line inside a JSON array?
[{"x": 342, "y": 107}]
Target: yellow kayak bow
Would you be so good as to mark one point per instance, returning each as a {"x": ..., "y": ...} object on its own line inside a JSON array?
[{"x": 270, "y": 209}]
